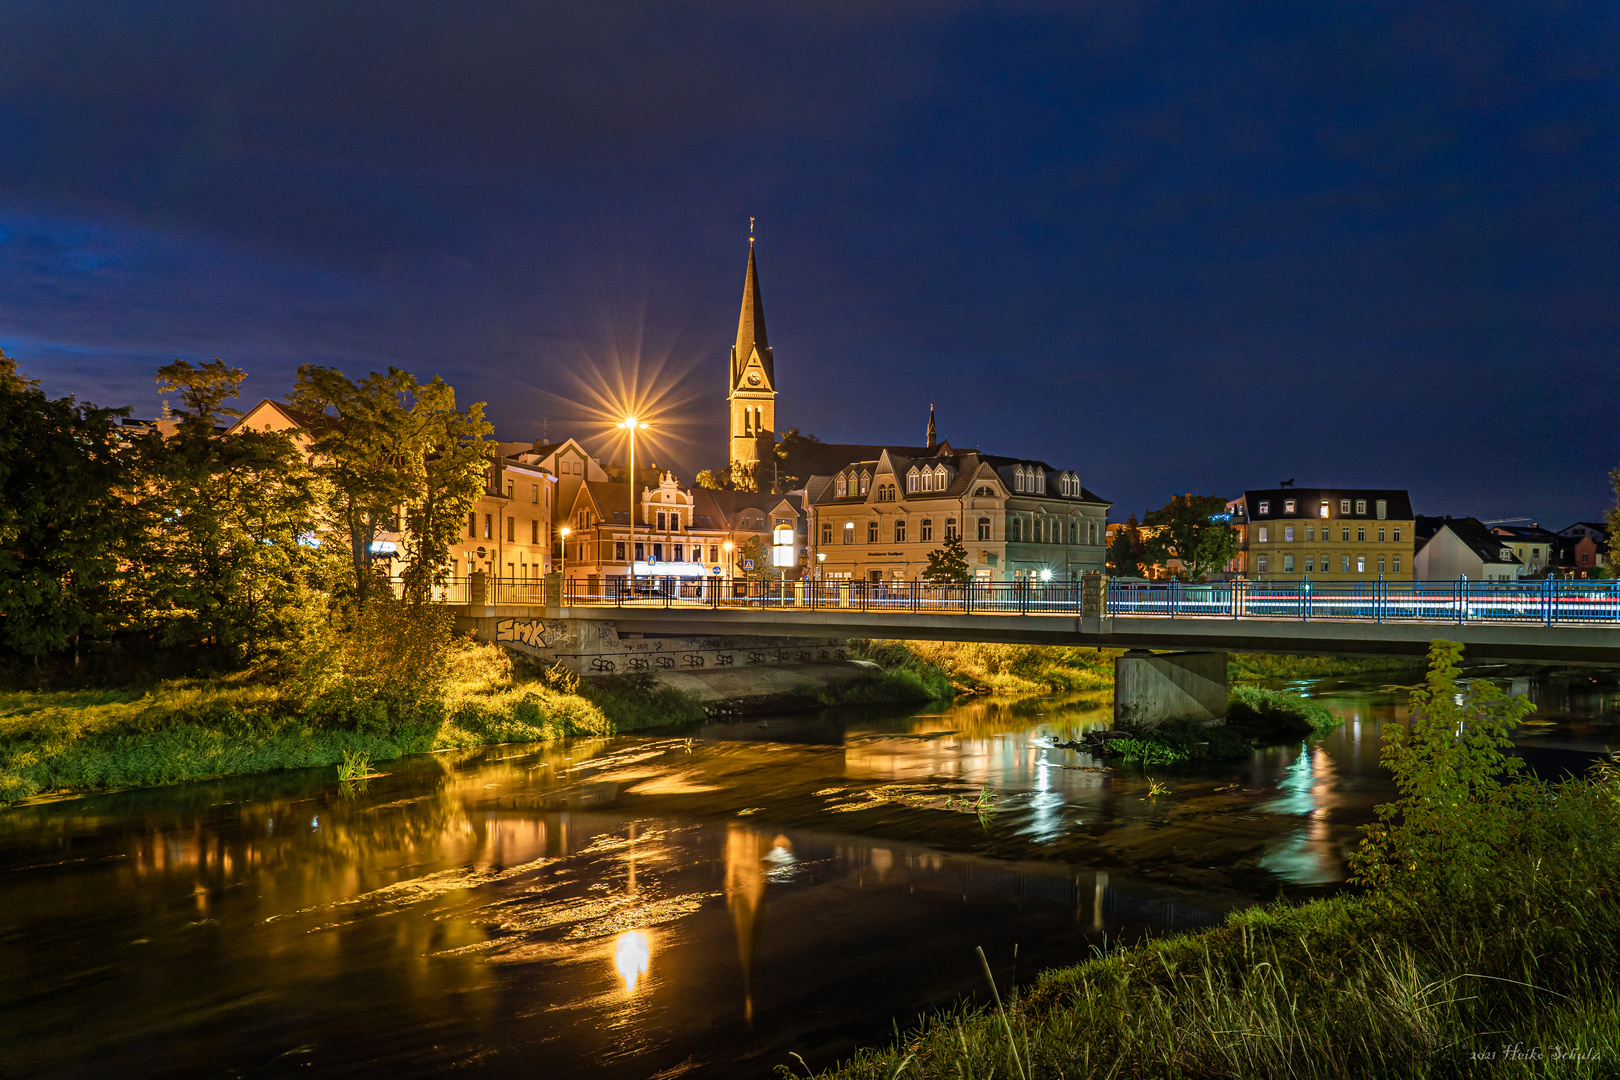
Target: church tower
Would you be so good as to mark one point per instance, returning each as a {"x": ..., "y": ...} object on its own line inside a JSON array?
[{"x": 752, "y": 394}]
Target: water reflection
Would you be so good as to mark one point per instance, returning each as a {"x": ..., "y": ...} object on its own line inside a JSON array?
[{"x": 632, "y": 956}]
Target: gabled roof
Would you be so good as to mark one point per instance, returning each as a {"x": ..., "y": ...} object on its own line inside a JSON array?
[
  {"x": 1475, "y": 535},
  {"x": 966, "y": 465},
  {"x": 1524, "y": 532}
]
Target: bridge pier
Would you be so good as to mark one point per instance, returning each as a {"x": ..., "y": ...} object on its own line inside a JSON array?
[{"x": 1151, "y": 688}]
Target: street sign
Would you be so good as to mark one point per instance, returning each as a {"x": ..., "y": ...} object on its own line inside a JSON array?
[
  {"x": 482, "y": 553},
  {"x": 748, "y": 564},
  {"x": 717, "y": 571}
]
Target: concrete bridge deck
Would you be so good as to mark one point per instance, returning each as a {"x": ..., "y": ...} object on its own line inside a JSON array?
[{"x": 1502, "y": 641}]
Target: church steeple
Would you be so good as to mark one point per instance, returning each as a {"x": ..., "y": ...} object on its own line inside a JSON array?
[
  {"x": 933, "y": 433},
  {"x": 752, "y": 394},
  {"x": 751, "y": 330}
]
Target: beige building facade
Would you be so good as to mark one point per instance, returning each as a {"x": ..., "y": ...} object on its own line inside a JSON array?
[{"x": 1327, "y": 534}]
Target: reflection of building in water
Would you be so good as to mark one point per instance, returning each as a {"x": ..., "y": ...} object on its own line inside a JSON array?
[{"x": 745, "y": 896}]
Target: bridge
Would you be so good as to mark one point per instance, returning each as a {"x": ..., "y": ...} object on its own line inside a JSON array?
[{"x": 700, "y": 623}]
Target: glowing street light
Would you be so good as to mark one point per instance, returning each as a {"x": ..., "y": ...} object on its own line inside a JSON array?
[
  {"x": 727, "y": 545},
  {"x": 563, "y": 532},
  {"x": 632, "y": 425}
]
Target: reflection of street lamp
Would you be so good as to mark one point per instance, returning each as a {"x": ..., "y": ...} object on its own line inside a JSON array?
[
  {"x": 563, "y": 532},
  {"x": 631, "y": 424}
]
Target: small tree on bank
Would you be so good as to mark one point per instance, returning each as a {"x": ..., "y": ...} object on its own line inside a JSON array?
[
  {"x": 1126, "y": 549},
  {"x": 1188, "y": 531},
  {"x": 947, "y": 564}
]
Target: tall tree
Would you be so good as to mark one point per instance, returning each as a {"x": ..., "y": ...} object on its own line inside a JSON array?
[
  {"x": 1188, "y": 530},
  {"x": 948, "y": 564},
  {"x": 1126, "y": 549},
  {"x": 1613, "y": 522},
  {"x": 390, "y": 449},
  {"x": 226, "y": 519},
  {"x": 62, "y": 522}
]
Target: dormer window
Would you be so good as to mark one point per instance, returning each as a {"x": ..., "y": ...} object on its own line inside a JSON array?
[
  {"x": 1265, "y": 506},
  {"x": 912, "y": 481},
  {"x": 1344, "y": 506},
  {"x": 841, "y": 486},
  {"x": 1288, "y": 506},
  {"x": 866, "y": 483},
  {"x": 1322, "y": 511},
  {"x": 1361, "y": 506}
]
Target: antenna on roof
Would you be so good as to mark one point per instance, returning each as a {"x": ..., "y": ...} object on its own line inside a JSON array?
[{"x": 750, "y": 232}]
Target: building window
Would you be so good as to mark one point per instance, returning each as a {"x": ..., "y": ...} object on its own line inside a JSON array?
[
  {"x": 1380, "y": 536},
  {"x": 984, "y": 527},
  {"x": 1310, "y": 564},
  {"x": 871, "y": 532},
  {"x": 509, "y": 489},
  {"x": 1361, "y": 535},
  {"x": 1383, "y": 509},
  {"x": 1380, "y": 564},
  {"x": 1361, "y": 564},
  {"x": 1288, "y": 534},
  {"x": 489, "y": 526},
  {"x": 1261, "y": 564},
  {"x": 866, "y": 483},
  {"x": 900, "y": 530},
  {"x": 534, "y": 532},
  {"x": 1397, "y": 538},
  {"x": 983, "y": 491},
  {"x": 1264, "y": 534},
  {"x": 1091, "y": 534},
  {"x": 618, "y": 551},
  {"x": 950, "y": 529},
  {"x": 658, "y": 551},
  {"x": 1344, "y": 506},
  {"x": 680, "y": 553},
  {"x": 641, "y": 551},
  {"x": 840, "y": 486},
  {"x": 1346, "y": 532},
  {"x": 911, "y": 480},
  {"x": 1074, "y": 532},
  {"x": 1012, "y": 530},
  {"x": 661, "y": 521},
  {"x": 1344, "y": 564},
  {"x": 1288, "y": 564},
  {"x": 925, "y": 532},
  {"x": 472, "y": 525},
  {"x": 511, "y": 530},
  {"x": 849, "y": 532},
  {"x": 1322, "y": 511},
  {"x": 1265, "y": 506},
  {"x": 1361, "y": 506},
  {"x": 1397, "y": 564},
  {"x": 1288, "y": 506},
  {"x": 1310, "y": 533},
  {"x": 826, "y": 532}
]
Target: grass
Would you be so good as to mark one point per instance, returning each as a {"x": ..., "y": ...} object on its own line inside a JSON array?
[
  {"x": 1248, "y": 667},
  {"x": 974, "y": 668},
  {"x": 195, "y": 729},
  {"x": 1276, "y": 714},
  {"x": 1178, "y": 741},
  {"x": 910, "y": 681}
]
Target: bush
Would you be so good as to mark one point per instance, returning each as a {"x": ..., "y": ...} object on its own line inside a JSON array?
[
  {"x": 635, "y": 701},
  {"x": 974, "y": 668},
  {"x": 1177, "y": 741},
  {"x": 1274, "y": 715}
]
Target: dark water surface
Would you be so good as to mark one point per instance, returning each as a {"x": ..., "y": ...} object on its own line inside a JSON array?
[{"x": 643, "y": 906}]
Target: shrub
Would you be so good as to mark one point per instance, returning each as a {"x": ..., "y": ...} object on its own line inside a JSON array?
[{"x": 1276, "y": 714}]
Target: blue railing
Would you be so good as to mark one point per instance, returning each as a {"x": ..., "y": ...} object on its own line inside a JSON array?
[{"x": 1546, "y": 602}]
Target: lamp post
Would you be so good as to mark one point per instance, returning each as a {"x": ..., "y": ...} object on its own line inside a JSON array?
[
  {"x": 821, "y": 565},
  {"x": 729, "y": 573},
  {"x": 563, "y": 532},
  {"x": 632, "y": 425}
]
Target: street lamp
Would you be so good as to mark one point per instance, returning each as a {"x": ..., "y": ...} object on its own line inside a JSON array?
[
  {"x": 821, "y": 565},
  {"x": 563, "y": 532},
  {"x": 729, "y": 574},
  {"x": 632, "y": 425}
]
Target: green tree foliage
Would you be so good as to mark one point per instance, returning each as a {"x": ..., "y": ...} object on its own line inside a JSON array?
[
  {"x": 1441, "y": 837},
  {"x": 394, "y": 454},
  {"x": 1189, "y": 532},
  {"x": 1126, "y": 550},
  {"x": 758, "y": 552},
  {"x": 948, "y": 564},
  {"x": 224, "y": 550},
  {"x": 1613, "y": 520},
  {"x": 62, "y": 522},
  {"x": 708, "y": 478}
]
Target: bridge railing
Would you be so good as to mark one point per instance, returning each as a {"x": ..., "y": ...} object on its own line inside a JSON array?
[{"x": 1545, "y": 602}]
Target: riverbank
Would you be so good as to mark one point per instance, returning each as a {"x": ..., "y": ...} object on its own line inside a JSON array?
[{"x": 204, "y": 728}]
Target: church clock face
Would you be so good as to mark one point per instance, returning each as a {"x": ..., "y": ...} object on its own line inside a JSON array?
[{"x": 753, "y": 378}]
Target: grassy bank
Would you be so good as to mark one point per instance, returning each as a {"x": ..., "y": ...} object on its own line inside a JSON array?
[
  {"x": 1485, "y": 941},
  {"x": 973, "y": 668},
  {"x": 194, "y": 729},
  {"x": 1252, "y": 667}
]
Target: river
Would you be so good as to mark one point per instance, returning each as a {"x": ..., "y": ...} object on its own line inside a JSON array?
[{"x": 704, "y": 903}]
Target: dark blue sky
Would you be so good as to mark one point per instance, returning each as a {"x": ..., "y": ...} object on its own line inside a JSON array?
[{"x": 1176, "y": 247}]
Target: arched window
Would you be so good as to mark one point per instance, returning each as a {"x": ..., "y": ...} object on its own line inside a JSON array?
[
  {"x": 911, "y": 479},
  {"x": 1012, "y": 530},
  {"x": 841, "y": 486},
  {"x": 984, "y": 491},
  {"x": 984, "y": 528},
  {"x": 942, "y": 479},
  {"x": 866, "y": 483},
  {"x": 849, "y": 532},
  {"x": 950, "y": 529},
  {"x": 871, "y": 531},
  {"x": 899, "y": 530}
]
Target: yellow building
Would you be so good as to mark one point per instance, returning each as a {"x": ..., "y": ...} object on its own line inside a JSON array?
[{"x": 1327, "y": 534}]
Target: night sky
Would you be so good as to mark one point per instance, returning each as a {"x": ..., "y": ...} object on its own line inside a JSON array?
[{"x": 1175, "y": 247}]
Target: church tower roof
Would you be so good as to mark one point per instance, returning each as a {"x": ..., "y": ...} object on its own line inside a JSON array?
[
  {"x": 751, "y": 328},
  {"x": 933, "y": 432}
]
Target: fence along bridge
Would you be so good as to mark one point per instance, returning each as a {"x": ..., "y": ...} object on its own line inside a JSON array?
[{"x": 1564, "y": 621}]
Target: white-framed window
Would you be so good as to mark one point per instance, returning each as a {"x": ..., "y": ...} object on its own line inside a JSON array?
[
  {"x": 841, "y": 486},
  {"x": 1397, "y": 564},
  {"x": 1382, "y": 507},
  {"x": 950, "y": 529},
  {"x": 1261, "y": 564},
  {"x": 925, "y": 531},
  {"x": 1397, "y": 538},
  {"x": 871, "y": 531},
  {"x": 1380, "y": 564},
  {"x": 984, "y": 528},
  {"x": 1264, "y": 533},
  {"x": 866, "y": 483},
  {"x": 1361, "y": 534},
  {"x": 1310, "y": 564},
  {"x": 911, "y": 479},
  {"x": 849, "y": 532},
  {"x": 1288, "y": 506},
  {"x": 1344, "y": 564},
  {"x": 1361, "y": 506},
  {"x": 1361, "y": 564},
  {"x": 1380, "y": 535},
  {"x": 1344, "y": 506},
  {"x": 1288, "y": 534},
  {"x": 899, "y": 530},
  {"x": 1265, "y": 506},
  {"x": 1310, "y": 533},
  {"x": 1288, "y": 564}
]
